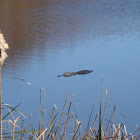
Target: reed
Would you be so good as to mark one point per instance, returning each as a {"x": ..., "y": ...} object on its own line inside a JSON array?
[
  {"x": 56, "y": 130},
  {"x": 3, "y": 56}
]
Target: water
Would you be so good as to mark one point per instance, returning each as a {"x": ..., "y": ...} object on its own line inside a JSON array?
[{"x": 49, "y": 38}]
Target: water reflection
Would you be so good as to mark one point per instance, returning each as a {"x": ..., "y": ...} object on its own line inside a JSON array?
[
  {"x": 50, "y": 37},
  {"x": 45, "y": 25}
]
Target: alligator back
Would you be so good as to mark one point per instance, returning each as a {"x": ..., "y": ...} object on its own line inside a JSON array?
[{"x": 84, "y": 72}]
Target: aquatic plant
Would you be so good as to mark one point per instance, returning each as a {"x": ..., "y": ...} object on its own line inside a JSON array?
[
  {"x": 60, "y": 124},
  {"x": 3, "y": 56}
]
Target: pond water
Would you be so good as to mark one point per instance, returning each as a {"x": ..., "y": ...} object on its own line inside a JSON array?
[{"x": 48, "y": 38}]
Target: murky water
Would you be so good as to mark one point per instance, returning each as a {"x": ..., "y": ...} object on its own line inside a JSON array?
[{"x": 49, "y": 38}]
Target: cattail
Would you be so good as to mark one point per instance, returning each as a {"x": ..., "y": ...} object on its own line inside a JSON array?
[{"x": 3, "y": 48}]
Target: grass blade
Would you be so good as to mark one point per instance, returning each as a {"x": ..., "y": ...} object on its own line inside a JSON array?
[
  {"x": 100, "y": 123},
  {"x": 13, "y": 109}
]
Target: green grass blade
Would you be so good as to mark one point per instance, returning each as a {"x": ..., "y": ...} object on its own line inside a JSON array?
[
  {"x": 104, "y": 107},
  {"x": 100, "y": 123},
  {"x": 13, "y": 109}
]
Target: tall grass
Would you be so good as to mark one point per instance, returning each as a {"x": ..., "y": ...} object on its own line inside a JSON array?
[
  {"x": 3, "y": 56},
  {"x": 60, "y": 124}
]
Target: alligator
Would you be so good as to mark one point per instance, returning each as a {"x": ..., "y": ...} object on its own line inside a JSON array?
[{"x": 81, "y": 72}]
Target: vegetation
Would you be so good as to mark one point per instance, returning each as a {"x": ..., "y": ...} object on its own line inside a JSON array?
[
  {"x": 3, "y": 56},
  {"x": 60, "y": 123}
]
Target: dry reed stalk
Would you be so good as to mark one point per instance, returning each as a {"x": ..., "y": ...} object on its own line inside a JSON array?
[
  {"x": 21, "y": 134},
  {"x": 53, "y": 136},
  {"x": 100, "y": 113},
  {"x": 138, "y": 137},
  {"x": 42, "y": 134},
  {"x": 132, "y": 138},
  {"x": 63, "y": 108},
  {"x": 51, "y": 121},
  {"x": 67, "y": 118},
  {"x": 21, "y": 130},
  {"x": 108, "y": 131},
  {"x": 14, "y": 126},
  {"x": 0, "y": 108},
  {"x": 90, "y": 133},
  {"x": 11, "y": 113},
  {"x": 3, "y": 56},
  {"x": 94, "y": 122},
  {"x": 74, "y": 124},
  {"x": 110, "y": 120},
  {"x": 118, "y": 130},
  {"x": 58, "y": 126},
  {"x": 36, "y": 135},
  {"x": 76, "y": 131},
  {"x": 40, "y": 112},
  {"x": 125, "y": 130},
  {"x": 124, "y": 133},
  {"x": 136, "y": 131},
  {"x": 89, "y": 119}
]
